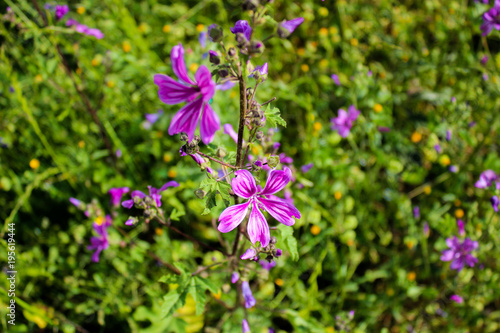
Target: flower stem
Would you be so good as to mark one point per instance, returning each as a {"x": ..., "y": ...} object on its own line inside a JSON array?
[
  {"x": 217, "y": 161},
  {"x": 243, "y": 111}
]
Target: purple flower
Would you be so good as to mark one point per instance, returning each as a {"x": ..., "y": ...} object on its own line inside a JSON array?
[
  {"x": 154, "y": 194},
  {"x": 486, "y": 179},
  {"x": 416, "y": 212},
  {"x": 61, "y": 10},
  {"x": 247, "y": 295},
  {"x": 448, "y": 135},
  {"x": 243, "y": 27},
  {"x": 77, "y": 203},
  {"x": 453, "y": 99},
  {"x": 197, "y": 94},
  {"x": 485, "y": 78},
  {"x": 426, "y": 230},
  {"x": 245, "y": 327},
  {"x": 214, "y": 33},
  {"x": 249, "y": 254},
  {"x": 202, "y": 38},
  {"x": 235, "y": 277},
  {"x": 279, "y": 252},
  {"x": 343, "y": 123},
  {"x": 152, "y": 118},
  {"x": 267, "y": 265},
  {"x": 200, "y": 161},
  {"x": 491, "y": 19},
  {"x": 484, "y": 60},
  {"x": 460, "y": 253},
  {"x": 116, "y": 195},
  {"x": 457, "y": 299},
  {"x": 495, "y": 202},
  {"x": 130, "y": 203},
  {"x": 335, "y": 79},
  {"x": 453, "y": 168},
  {"x": 118, "y": 153},
  {"x": 307, "y": 167},
  {"x": 225, "y": 86},
  {"x": 383, "y": 129},
  {"x": 286, "y": 28},
  {"x": 244, "y": 186},
  {"x": 438, "y": 148},
  {"x": 100, "y": 243},
  {"x": 261, "y": 70},
  {"x": 228, "y": 129},
  {"x": 83, "y": 29},
  {"x": 461, "y": 231}
]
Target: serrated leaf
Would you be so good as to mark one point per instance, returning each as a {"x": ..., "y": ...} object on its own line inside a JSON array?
[
  {"x": 197, "y": 290},
  {"x": 176, "y": 214},
  {"x": 175, "y": 299},
  {"x": 288, "y": 241},
  {"x": 273, "y": 117},
  {"x": 207, "y": 284}
]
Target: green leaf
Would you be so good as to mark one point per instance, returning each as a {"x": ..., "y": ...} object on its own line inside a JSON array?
[
  {"x": 273, "y": 117},
  {"x": 176, "y": 214},
  {"x": 175, "y": 299},
  {"x": 197, "y": 290},
  {"x": 288, "y": 241}
]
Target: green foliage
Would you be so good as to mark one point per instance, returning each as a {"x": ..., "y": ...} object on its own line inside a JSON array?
[{"x": 273, "y": 117}]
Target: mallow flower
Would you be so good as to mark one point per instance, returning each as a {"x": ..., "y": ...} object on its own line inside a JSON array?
[
  {"x": 486, "y": 179},
  {"x": 197, "y": 93},
  {"x": 243, "y": 27},
  {"x": 116, "y": 194},
  {"x": 459, "y": 253},
  {"x": 247, "y": 295},
  {"x": 286, "y": 28},
  {"x": 244, "y": 186},
  {"x": 343, "y": 123},
  {"x": 83, "y": 29},
  {"x": 491, "y": 19},
  {"x": 154, "y": 194},
  {"x": 100, "y": 243}
]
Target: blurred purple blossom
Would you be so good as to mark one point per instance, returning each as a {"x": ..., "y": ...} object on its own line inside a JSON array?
[
  {"x": 459, "y": 253},
  {"x": 344, "y": 121}
]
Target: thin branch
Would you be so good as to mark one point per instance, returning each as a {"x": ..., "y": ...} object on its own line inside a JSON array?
[
  {"x": 217, "y": 161},
  {"x": 204, "y": 268},
  {"x": 269, "y": 101}
]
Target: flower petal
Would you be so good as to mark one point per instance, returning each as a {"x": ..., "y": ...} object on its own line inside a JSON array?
[
  {"x": 277, "y": 181},
  {"x": 249, "y": 254},
  {"x": 205, "y": 83},
  {"x": 171, "y": 183},
  {"x": 244, "y": 184},
  {"x": 186, "y": 119},
  {"x": 210, "y": 124},
  {"x": 178, "y": 64},
  {"x": 281, "y": 210},
  {"x": 171, "y": 91},
  {"x": 258, "y": 229},
  {"x": 232, "y": 216}
]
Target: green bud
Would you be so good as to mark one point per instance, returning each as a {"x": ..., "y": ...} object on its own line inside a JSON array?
[
  {"x": 221, "y": 152},
  {"x": 200, "y": 193},
  {"x": 273, "y": 161}
]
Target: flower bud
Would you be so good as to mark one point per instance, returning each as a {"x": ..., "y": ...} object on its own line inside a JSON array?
[
  {"x": 214, "y": 57},
  {"x": 278, "y": 253},
  {"x": 273, "y": 161},
  {"x": 132, "y": 220},
  {"x": 241, "y": 39},
  {"x": 200, "y": 193},
  {"x": 259, "y": 135},
  {"x": 196, "y": 139},
  {"x": 250, "y": 4},
  {"x": 221, "y": 152},
  {"x": 184, "y": 137},
  {"x": 256, "y": 47},
  {"x": 231, "y": 52},
  {"x": 223, "y": 72},
  {"x": 215, "y": 33},
  {"x": 273, "y": 240}
]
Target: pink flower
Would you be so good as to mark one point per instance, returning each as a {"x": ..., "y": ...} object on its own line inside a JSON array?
[
  {"x": 343, "y": 123},
  {"x": 457, "y": 299},
  {"x": 459, "y": 253},
  {"x": 244, "y": 186},
  {"x": 198, "y": 95},
  {"x": 116, "y": 194}
]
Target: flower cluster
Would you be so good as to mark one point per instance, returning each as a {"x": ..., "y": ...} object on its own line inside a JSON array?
[
  {"x": 100, "y": 242},
  {"x": 459, "y": 253}
]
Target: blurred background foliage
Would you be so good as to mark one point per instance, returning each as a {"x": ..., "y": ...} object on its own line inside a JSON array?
[{"x": 360, "y": 247}]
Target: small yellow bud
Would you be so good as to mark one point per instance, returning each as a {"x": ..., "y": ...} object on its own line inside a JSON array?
[
  {"x": 458, "y": 203},
  {"x": 142, "y": 27},
  {"x": 166, "y": 28},
  {"x": 200, "y": 27},
  {"x": 301, "y": 51},
  {"x": 416, "y": 137},
  {"x": 99, "y": 220},
  {"x": 38, "y": 78},
  {"x": 172, "y": 173},
  {"x": 304, "y": 67},
  {"x": 350, "y": 242},
  {"x": 167, "y": 157},
  {"x": 81, "y": 143},
  {"x": 110, "y": 84},
  {"x": 323, "y": 32},
  {"x": 218, "y": 295},
  {"x": 323, "y": 11},
  {"x": 337, "y": 195},
  {"x": 459, "y": 213},
  {"x": 390, "y": 292},
  {"x": 377, "y": 108},
  {"x": 317, "y": 126},
  {"x": 279, "y": 282},
  {"x": 382, "y": 75},
  {"x": 233, "y": 94},
  {"x": 34, "y": 164},
  {"x": 159, "y": 231},
  {"x": 80, "y": 10},
  {"x": 334, "y": 30},
  {"x": 410, "y": 245},
  {"x": 427, "y": 189},
  {"x": 411, "y": 276},
  {"x": 79, "y": 71},
  {"x": 323, "y": 63},
  {"x": 354, "y": 42},
  {"x": 425, "y": 52},
  {"x": 315, "y": 230},
  {"x": 193, "y": 67},
  {"x": 126, "y": 46},
  {"x": 95, "y": 62},
  {"x": 444, "y": 160}
]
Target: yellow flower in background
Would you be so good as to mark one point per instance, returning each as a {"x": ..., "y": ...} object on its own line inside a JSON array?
[
  {"x": 34, "y": 164},
  {"x": 167, "y": 157},
  {"x": 416, "y": 137},
  {"x": 378, "y": 108},
  {"x": 80, "y": 10},
  {"x": 334, "y": 30},
  {"x": 382, "y": 75},
  {"x": 304, "y": 67},
  {"x": 390, "y": 292},
  {"x": 409, "y": 244},
  {"x": 411, "y": 276},
  {"x": 200, "y": 27},
  {"x": 337, "y": 195},
  {"x": 350, "y": 242},
  {"x": 323, "y": 11},
  {"x": 159, "y": 231},
  {"x": 79, "y": 71},
  {"x": 315, "y": 230},
  {"x": 459, "y": 213},
  {"x": 279, "y": 282},
  {"x": 458, "y": 203},
  {"x": 218, "y": 295},
  {"x": 126, "y": 46},
  {"x": 38, "y": 78},
  {"x": 330, "y": 329},
  {"x": 323, "y": 32},
  {"x": 143, "y": 27},
  {"x": 354, "y": 42},
  {"x": 110, "y": 84},
  {"x": 317, "y": 126},
  {"x": 166, "y": 28},
  {"x": 99, "y": 220},
  {"x": 427, "y": 189},
  {"x": 95, "y": 62},
  {"x": 301, "y": 51},
  {"x": 233, "y": 94},
  {"x": 193, "y": 67},
  {"x": 172, "y": 173},
  {"x": 323, "y": 63},
  {"x": 444, "y": 160},
  {"x": 425, "y": 52},
  {"x": 81, "y": 143}
]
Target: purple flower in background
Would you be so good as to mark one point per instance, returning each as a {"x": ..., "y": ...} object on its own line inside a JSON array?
[
  {"x": 243, "y": 27},
  {"x": 199, "y": 160},
  {"x": 484, "y": 60},
  {"x": 247, "y": 295},
  {"x": 118, "y": 153},
  {"x": 202, "y": 38},
  {"x": 228, "y": 129},
  {"x": 197, "y": 94},
  {"x": 154, "y": 194},
  {"x": 486, "y": 179},
  {"x": 235, "y": 277},
  {"x": 100, "y": 243},
  {"x": 416, "y": 212},
  {"x": 307, "y": 167},
  {"x": 152, "y": 118},
  {"x": 426, "y": 230},
  {"x": 244, "y": 186},
  {"x": 83, "y": 29},
  {"x": 61, "y": 10},
  {"x": 383, "y": 129},
  {"x": 453, "y": 168},
  {"x": 457, "y": 299},
  {"x": 448, "y": 135},
  {"x": 262, "y": 70},
  {"x": 245, "y": 327},
  {"x": 453, "y": 99},
  {"x": 495, "y": 202},
  {"x": 116, "y": 194},
  {"x": 438, "y": 148},
  {"x": 461, "y": 230},
  {"x": 485, "y": 78},
  {"x": 267, "y": 265},
  {"x": 249, "y": 254},
  {"x": 286, "y": 28},
  {"x": 459, "y": 253},
  {"x": 491, "y": 19},
  {"x": 343, "y": 123},
  {"x": 335, "y": 79},
  {"x": 225, "y": 86},
  {"x": 472, "y": 124},
  {"x": 77, "y": 203}
]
